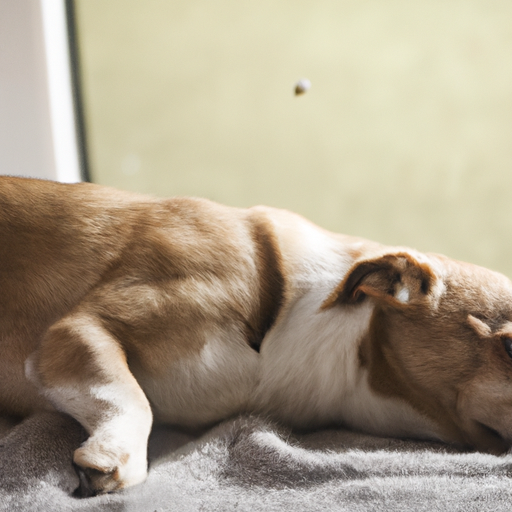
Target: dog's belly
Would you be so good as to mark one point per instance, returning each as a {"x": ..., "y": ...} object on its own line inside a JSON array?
[{"x": 204, "y": 388}]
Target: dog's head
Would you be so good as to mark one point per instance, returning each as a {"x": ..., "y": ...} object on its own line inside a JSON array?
[{"x": 440, "y": 338}]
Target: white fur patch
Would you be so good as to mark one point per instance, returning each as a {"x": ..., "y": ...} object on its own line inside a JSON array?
[
  {"x": 207, "y": 387},
  {"x": 403, "y": 295},
  {"x": 309, "y": 362}
]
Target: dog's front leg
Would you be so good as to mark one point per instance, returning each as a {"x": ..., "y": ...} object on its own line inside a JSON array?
[{"x": 82, "y": 370}]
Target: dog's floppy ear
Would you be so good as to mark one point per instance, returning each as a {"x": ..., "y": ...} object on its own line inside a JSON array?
[{"x": 396, "y": 278}]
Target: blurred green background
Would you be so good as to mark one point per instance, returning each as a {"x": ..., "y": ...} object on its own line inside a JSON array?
[{"x": 405, "y": 136}]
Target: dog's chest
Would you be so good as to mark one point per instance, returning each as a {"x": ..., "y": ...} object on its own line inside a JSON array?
[
  {"x": 311, "y": 375},
  {"x": 309, "y": 363}
]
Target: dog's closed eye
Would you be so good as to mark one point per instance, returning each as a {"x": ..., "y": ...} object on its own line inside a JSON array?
[{"x": 507, "y": 343}]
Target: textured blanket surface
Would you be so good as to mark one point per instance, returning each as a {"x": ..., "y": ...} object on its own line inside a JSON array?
[{"x": 247, "y": 464}]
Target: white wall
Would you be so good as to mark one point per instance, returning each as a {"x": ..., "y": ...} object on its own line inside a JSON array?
[{"x": 37, "y": 132}]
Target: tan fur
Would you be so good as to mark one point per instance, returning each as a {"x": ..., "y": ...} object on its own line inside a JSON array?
[{"x": 118, "y": 308}]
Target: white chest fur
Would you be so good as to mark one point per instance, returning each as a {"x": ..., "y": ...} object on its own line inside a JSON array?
[{"x": 310, "y": 374}]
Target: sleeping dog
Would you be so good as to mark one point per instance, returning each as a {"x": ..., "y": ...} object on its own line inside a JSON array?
[{"x": 122, "y": 310}]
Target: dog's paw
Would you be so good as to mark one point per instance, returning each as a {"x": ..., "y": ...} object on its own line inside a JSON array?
[
  {"x": 94, "y": 482},
  {"x": 102, "y": 469}
]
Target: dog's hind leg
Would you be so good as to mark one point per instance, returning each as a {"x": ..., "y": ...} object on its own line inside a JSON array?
[{"x": 82, "y": 370}]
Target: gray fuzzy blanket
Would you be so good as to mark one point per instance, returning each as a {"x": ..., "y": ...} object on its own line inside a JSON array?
[{"x": 247, "y": 464}]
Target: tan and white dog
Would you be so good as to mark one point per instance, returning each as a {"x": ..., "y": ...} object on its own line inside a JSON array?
[{"x": 121, "y": 310}]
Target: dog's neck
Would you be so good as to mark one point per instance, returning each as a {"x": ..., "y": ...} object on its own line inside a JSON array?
[
  {"x": 311, "y": 373},
  {"x": 309, "y": 370}
]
